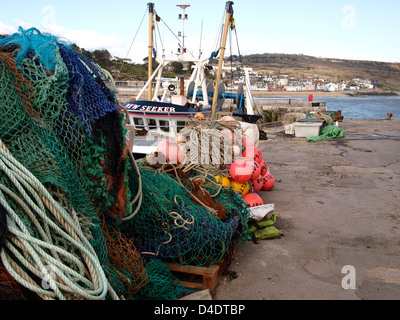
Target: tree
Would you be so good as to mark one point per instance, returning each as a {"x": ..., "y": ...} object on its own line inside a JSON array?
[
  {"x": 101, "y": 57},
  {"x": 177, "y": 67}
]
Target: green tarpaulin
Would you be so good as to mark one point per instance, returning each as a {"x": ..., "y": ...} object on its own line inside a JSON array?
[{"x": 328, "y": 132}]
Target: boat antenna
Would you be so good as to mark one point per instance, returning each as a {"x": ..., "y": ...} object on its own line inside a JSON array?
[
  {"x": 201, "y": 36},
  {"x": 228, "y": 21}
]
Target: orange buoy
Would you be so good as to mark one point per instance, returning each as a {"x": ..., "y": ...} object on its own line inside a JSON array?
[
  {"x": 257, "y": 183},
  {"x": 241, "y": 171},
  {"x": 199, "y": 116},
  {"x": 253, "y": 200},
  {"x": 269, "y": 182}
]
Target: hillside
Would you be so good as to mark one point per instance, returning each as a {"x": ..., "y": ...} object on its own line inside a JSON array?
[
  {"x": 386, "y": 74},
  {"x": 383, "y": 74}
]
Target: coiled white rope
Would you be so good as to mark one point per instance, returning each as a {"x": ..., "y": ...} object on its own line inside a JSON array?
[
  {"x": 58, "y": 253},
  {"x": 139, "y": 196}
]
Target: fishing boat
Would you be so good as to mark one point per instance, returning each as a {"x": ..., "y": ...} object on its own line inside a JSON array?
[{"x": 170, "y": 103}]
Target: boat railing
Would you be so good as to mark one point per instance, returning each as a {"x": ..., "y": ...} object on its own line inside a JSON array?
[{"x": 152, "y": 124}]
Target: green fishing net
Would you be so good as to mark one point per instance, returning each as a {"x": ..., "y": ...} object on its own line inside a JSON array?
[
  {"x": 162, "y": 284},
  {"x": 172, "y": 226}
]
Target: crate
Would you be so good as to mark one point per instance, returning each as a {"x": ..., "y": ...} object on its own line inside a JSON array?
[{"x": 307, "y": 129}]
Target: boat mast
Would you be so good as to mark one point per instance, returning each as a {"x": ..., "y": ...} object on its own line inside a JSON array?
[
  {"x": 150, "y": 61},
  {"x": 228, "y": 18}
]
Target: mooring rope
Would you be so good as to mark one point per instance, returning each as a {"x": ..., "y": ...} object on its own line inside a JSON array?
[{"x": 62, "y": 272}]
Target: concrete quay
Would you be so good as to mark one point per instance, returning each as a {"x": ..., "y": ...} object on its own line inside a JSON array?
[{"x": 337, "y": 204}]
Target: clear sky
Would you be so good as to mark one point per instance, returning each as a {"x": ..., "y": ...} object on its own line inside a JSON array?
[{"x": 349, "y": 29}]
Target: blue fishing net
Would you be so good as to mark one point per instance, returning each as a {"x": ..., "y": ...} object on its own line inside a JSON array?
[{"x": 86, "y": 95}]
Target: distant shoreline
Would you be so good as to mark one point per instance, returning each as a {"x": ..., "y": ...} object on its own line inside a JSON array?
[
  {"x": 320, "y": 94},
  {"x": 125, "y": 96}
]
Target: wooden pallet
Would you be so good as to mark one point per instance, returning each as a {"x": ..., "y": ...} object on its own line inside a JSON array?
[
  {"x": 197, "y": 277},
  {"x": 203, "y": 277}
]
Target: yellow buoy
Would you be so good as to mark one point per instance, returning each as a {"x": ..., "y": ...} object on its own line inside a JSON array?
[
  {"x": 223, "y": 181},
  {"x": 240, "y": 188}
]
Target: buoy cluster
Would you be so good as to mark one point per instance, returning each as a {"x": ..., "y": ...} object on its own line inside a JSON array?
[{"x": 249, "y": 174}]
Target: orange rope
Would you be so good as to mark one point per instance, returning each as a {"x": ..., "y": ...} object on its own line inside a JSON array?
[
  {"x": 125, "y": 258},
  {"x": 23, "y": 86}
]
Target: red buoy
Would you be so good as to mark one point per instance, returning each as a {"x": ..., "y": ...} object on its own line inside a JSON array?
[
  {"x": 252, "y": 153},
  {"x": 253, "y": 200},
  {"x": 269, "y": 182},
  {"x": 256, "y": 169},
  {"x": 264, "y": 167},
  {"x": 164, "y": 145},
  {"x": 241, "y": 171},
  {"x": 247, "y": 142},
  {"x": 257, "y": 183},
  {"x": 175, "y": 155}
]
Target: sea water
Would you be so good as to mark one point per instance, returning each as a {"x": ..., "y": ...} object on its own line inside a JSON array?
[
  {"x": 359, "y": 108},
  {"x": 364, "y": 108}
]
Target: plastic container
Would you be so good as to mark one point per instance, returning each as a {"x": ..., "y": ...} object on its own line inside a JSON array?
[{"x": 307, "y": 129}]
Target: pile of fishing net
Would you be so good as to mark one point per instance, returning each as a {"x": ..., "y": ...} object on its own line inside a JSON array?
[{"x": 80, "y": 219}]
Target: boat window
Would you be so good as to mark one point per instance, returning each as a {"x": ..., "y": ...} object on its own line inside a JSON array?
[
  {"x": 152, "y": 123},
  {"x": 164, "y": 125},
  {"x": 180, "y": 125},
  {"x": 138, "y": 123}
]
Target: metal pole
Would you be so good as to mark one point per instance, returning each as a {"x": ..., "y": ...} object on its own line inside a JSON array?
[
  {"x": 150, "y": 65},
  {"x": 229, "y": 13}
]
